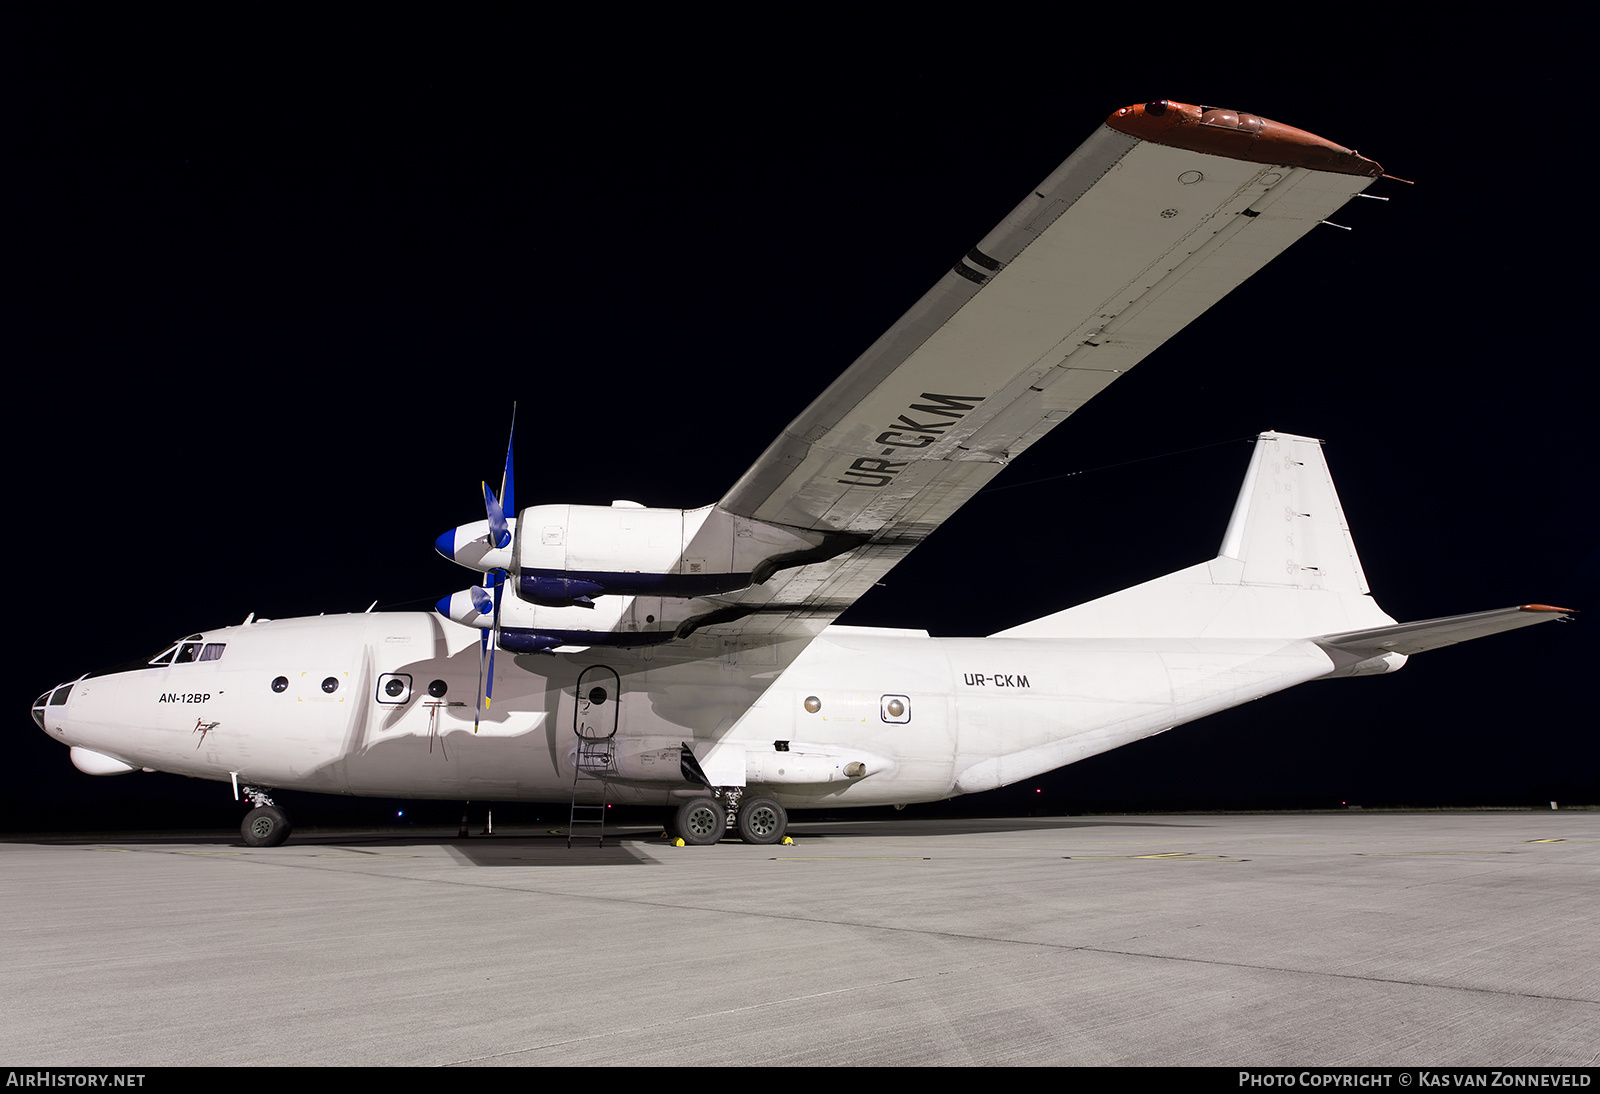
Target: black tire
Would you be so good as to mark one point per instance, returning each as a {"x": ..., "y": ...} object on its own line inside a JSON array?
[
  {"x": 265, "y": 826},
  {"x": 762, "y": 820},
  {"x": 701, "y": 821}
]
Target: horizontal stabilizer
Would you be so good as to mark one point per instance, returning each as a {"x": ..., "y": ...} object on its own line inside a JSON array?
[{"x": 1431, "y": 634}]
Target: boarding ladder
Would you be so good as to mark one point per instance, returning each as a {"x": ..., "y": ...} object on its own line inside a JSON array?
[
  {"x": 594, "y": 763},
  {"x": 596, "y": 759}
]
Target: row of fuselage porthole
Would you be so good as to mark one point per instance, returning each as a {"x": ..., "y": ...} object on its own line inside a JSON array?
[{"x": 394, "y": 688}]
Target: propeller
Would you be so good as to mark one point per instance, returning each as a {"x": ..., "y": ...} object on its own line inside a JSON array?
[{"x": 491, "y": 594}]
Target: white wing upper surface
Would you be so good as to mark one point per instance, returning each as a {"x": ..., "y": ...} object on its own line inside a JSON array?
[{"x": 1124, "y": 244}]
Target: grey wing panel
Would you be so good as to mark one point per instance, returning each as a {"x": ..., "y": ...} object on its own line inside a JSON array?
[
  {"x": 1066, "y": 184},
  {"x": 1076, "y": 288},
  {"x": 1122, "y": 246}
]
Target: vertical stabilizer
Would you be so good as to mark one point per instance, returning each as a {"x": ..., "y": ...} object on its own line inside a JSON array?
[
  {"x": 1288, "y": 527},
  {"x": 1287, "y": 567}
]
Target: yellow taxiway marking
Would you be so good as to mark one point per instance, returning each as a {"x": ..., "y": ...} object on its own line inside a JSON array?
[
  {"x": 852, "y": 858},
  {"x": 1393, "y": 854},
  {"x": 1165, "y": 856}
]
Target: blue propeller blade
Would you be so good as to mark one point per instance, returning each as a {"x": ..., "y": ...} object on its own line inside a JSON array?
[
  {"x": 508, "y": 505},
  {"x": 499, "y": 508},
  {"x": 488, "y": 641},
  {"x": 477, "y": 711},
  {"x": 494, "y": 641},
  {"x": 497, "y": 518}
]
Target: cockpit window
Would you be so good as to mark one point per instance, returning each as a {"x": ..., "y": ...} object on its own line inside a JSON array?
[
  {"x": 164, "y": 657},
  {"x": 213, "y": 651},
  {"x": 59, "y": 699},
  {"x": 187, "y": 652}
]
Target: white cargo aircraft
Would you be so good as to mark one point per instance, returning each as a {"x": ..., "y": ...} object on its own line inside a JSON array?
[{"x": 686, "y": 657}]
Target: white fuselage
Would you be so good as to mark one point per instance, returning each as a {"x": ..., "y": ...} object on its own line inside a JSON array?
[{"x": 342, "y": 705}]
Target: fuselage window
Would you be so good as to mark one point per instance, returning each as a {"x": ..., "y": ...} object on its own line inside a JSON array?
[{"x": 213, "y": 651}]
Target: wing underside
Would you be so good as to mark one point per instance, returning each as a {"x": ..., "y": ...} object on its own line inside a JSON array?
[{"x": 1123, "y": 245}]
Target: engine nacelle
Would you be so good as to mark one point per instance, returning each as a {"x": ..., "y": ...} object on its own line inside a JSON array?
[
  {"x": 534, "y": 628},
  {"x": 568, "y": 552}
]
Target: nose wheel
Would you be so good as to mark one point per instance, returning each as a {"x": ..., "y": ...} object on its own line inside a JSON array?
[{"x": 266, "y": 825}]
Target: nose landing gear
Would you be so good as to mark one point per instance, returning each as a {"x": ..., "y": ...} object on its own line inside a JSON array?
[{"x": 265, "y": 825}]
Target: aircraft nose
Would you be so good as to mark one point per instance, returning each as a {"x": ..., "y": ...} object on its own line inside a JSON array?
[{"x": 49, "y": 709}]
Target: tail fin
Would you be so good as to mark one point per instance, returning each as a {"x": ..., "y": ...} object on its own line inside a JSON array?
[
  {"x": 1288, "y": 528},
  {"x": 1287, "y": 567}
]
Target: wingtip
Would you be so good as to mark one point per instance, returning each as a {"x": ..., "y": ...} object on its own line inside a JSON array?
[{"x": 1237, "y": 135}]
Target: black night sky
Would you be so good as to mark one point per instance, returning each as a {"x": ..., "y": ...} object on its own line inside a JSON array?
[{"x": 277, "y": 278}]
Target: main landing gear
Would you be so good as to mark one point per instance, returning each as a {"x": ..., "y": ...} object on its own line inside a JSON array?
[
  {"x": 762, "y": 820},
  {"x": 703, "y": 820},
  {"x": 265, "y": 825}
]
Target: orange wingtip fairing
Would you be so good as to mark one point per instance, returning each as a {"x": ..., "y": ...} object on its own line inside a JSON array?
[
  {"x": 1546, "y": 608},
  {"x": 1239, "y": 136}
]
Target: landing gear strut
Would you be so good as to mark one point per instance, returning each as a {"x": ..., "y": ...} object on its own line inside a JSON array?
[{"x": 266, "y": 825}]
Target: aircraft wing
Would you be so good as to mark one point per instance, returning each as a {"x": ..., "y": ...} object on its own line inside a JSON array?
[{"x": 1161, "y": 213}]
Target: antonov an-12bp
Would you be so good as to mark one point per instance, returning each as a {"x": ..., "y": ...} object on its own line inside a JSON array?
[{"x": 685, "y": 657}]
